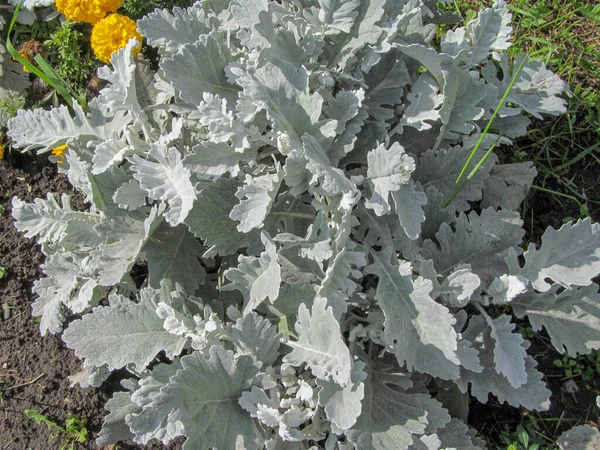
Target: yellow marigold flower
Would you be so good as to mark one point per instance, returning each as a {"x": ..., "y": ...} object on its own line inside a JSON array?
[
  {"x": 113, "y": 33},
  {"x": 1, "y": 151},
  {"x": 90, "y": 11},
  {"x": 59, "y": 152}
]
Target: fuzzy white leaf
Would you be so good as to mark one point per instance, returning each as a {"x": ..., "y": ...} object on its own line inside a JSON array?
[
  {"x": 343, "y": 404},
  {"x": 424, "y": 105},
  {"x": 130, "y": 196},
  {"x": 171, "y": 29},
  {"x": 388, "y": 170},
  {"x": 569, "y": 256},
  {"x": 110, "y": 153},
  {"x": 440, "y": 169},
  {"x": 338, "y": 284},
  {"x": 121, "y": 93},
  {"x": 505, "y": 289},
  {"x": 256, "y": 278},
  {"x": 166, "y": 180},
  {"x": 490, "y": 30},
  {"x": 347, "y": 110},
  {"x": 338, "y": 14},
  {"x": 408, "y": 205},
  {"x": 320, "y": 344},
  {"x": 173, "y": 254},
  {"x": 200, "y": 67},
  {"x": 389, "y": 419},
  {"x": 571, "y": 317},
  {"x": 315, "y": 245},
  {"x": 507, "y": 185},
  {"x": 209, "y": 161},
  {"x": 282, "y": 91},
  {"x": 532, "y": 395},
  {"x": 456, "y": 435},
  {"x": 46, "y": 219},
  {"x": 255, "y": 336},
  {"x": 386, "y": 81},
  {"x": 537, "y": 90},
  {"x": 256, "y": 199},
  {"x": 418, "y": 329},
  {"x": 44, "y": 130},
  {"x": 458, "y": 287},
  {"x": 124, "y": 237},
  {"x": 332, "y": 181},
  {"x": 365, "y": 29},
  {"x": 509, "y": 353},
  {"x": 53, "y": 291},
  {"x": 207, "y": 388},
  {"x": 128, "y": 333},
  {"x": 152, "y": 422},
  {"x": 209, "y": 218},
  {"x": 462, "y": 95},
  {"x": 491, "y": 234},
  {"x": 582, "y": 437},
  {"x": 114, "y": 428}
]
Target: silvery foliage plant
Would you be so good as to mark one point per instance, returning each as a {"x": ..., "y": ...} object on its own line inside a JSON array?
[{"x": 266, "y": 248}]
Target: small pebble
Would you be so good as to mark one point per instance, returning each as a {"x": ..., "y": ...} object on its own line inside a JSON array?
[{"x": 570, "y": 387}]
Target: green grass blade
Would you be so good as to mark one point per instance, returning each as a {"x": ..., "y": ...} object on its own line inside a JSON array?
[
  {"x": 56, "y": 80},
  {"x": 495, "y": 113}
]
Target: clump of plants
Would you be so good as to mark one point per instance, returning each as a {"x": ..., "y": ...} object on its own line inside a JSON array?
[
  {"x": 584, "y": 366},
  {"x": 74, "y": 430},
  {"x": 314, "y": 271},
  {"x": 67, "y": 45}
]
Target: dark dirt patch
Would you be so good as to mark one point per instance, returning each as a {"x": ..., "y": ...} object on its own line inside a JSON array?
[{"x": 34, "y": 369}]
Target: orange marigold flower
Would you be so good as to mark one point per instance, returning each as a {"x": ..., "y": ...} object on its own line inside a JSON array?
[
  {"x": 113, "y": 33},
  {"x": 90, "y": 11}
]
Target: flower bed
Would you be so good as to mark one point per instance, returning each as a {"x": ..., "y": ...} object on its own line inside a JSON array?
[{"x": 299, "y": 223}]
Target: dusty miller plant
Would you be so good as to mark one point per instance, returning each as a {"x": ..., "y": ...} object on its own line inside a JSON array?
[{"x": 267, "y": 240}]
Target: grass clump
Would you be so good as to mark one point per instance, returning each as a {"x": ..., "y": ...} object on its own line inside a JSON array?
[{"x": 74, "y": 431}]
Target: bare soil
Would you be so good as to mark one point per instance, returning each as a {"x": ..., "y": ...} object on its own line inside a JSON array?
[{"x": 34, "y": 370}]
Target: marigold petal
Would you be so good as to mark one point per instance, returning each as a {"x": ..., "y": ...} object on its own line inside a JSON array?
[
  {"x": 59, "y": 151},
  {"x": 90, "y": 11}
]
